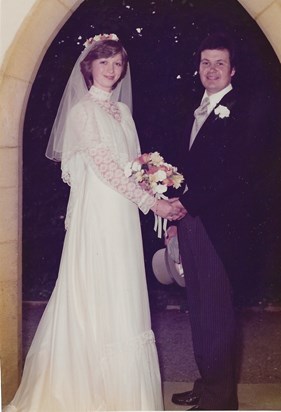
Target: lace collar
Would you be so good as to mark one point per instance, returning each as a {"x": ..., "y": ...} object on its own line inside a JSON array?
[
  {"x": 100, "y": 94},
  {"x": 102, "y": 98}
]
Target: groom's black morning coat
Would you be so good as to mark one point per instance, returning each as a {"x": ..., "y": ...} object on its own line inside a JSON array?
[{"x": 223, "y": 171}]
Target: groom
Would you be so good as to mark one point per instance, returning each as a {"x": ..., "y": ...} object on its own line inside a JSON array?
[{"x": 224, "y": 147}]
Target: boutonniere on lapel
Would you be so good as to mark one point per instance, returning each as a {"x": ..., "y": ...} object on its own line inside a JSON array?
[{"x": 222, "y": 111}]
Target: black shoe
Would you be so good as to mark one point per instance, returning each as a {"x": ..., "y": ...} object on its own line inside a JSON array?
[{"x": 185, "y": 398}]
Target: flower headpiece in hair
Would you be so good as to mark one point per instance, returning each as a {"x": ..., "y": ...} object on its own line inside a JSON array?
[{"x": 100, "y": 37}]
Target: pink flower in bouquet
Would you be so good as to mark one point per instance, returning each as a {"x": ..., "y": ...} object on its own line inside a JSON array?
[
  {"x": 168, "y": 182},
  {"x": 152, "y": 169},
  {"x": 144, "y": 158}
]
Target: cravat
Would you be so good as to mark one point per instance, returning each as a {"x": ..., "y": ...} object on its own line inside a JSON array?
[{"x": 200, "y": 114}]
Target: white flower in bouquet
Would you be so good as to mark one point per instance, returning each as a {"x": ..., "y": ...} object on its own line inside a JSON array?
[
  {"x": 160, "y": 189},
  {"x": 156, "y": 159}
]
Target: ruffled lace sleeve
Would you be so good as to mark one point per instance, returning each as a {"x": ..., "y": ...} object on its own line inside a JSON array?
[{"x": 104, "y": 149}]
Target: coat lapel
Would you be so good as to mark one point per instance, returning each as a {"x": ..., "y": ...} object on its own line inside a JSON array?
[{"x": 228, "y": 101}]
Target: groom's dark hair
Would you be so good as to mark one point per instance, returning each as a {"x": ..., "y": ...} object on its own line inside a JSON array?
[{"x": 218, "y": 41}]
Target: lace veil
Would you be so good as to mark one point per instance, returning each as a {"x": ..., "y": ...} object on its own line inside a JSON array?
[{"x": 74, "y": 91}]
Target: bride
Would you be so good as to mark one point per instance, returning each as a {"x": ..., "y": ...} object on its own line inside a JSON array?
[{"x": 94, "y": 348}]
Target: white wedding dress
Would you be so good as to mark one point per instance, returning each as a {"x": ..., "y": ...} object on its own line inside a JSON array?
[{"x": 94, "y": 348}]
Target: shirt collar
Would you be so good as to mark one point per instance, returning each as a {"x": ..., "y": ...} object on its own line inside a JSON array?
[{"x": 216, "y": 97}]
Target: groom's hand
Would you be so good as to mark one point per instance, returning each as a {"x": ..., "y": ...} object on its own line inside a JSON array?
[
  {"x": 178, "y": 210},
  {"x": 170, "y": 209}
]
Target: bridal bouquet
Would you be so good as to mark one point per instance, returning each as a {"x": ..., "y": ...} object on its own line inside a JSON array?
[{"x": 154, "y": 175}]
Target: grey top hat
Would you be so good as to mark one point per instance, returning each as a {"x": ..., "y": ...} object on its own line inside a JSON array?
[{"x": 167, "y": 266}]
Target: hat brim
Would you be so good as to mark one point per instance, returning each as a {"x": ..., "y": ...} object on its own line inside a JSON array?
[{"x": 166, "y": 270}]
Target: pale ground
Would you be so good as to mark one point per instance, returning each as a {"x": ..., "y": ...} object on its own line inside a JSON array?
[{"x": 260, "y": 373}]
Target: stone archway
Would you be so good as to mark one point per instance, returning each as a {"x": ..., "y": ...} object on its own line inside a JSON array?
[{"x": 16, "y": 77}]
